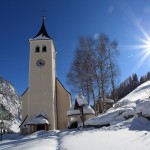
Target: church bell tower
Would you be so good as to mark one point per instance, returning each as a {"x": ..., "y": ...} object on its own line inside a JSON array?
[
  {"x": 46, "y": 100},
  {"x": 42, "y": 75}
]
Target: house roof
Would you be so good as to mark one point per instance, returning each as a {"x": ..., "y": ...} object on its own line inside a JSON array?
[
  {"x": 106, "y": 100},
  {"x": 86, "y": 110},
  {"x": 81, "y": 100},
  {"x": 38, "y": 120},
  {"x": 109, "y": 100},
  {"x": 42, "y": 34}
]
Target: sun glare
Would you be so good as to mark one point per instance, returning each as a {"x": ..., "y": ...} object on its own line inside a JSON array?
[
  {"x": 147, "y": 46},
  {"x": 144, "y": 45},
  {"x": 144, "y": 48}
]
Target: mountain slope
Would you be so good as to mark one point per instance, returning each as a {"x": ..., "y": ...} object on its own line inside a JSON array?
[
  {"x": 135, "y": 104},
  {"x": 141, "y": 92},
  {"x": 9, "y": 99},
  {"x": 10, "y": 106}
]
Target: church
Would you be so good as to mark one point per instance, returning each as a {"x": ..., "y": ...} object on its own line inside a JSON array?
[{"x": 46, "y": 101}]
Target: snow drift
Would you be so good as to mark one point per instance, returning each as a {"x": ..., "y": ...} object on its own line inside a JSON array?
[{"x": 135, "y": 104}]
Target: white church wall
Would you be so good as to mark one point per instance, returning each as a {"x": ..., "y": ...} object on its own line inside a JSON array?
[
  {"x": 41, "y": 82},
  {"x": 63, "y": 104}
]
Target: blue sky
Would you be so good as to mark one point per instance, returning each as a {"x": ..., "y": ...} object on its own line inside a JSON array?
[{"x": 128, "y": 22}]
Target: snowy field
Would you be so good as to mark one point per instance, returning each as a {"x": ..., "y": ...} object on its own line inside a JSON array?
[
  {"x": 42, "y": 140},
  {"x": 129, "y": 135},
  {"x": 133, "y": 134},
  {"x": 129, "y": 129}
]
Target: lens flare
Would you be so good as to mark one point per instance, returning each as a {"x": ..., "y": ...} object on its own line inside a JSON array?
[
  {"x": 143, "y": 50},
  {"x": 144, "y": 46}
]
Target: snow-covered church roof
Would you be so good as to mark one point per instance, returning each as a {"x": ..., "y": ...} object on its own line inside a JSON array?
[{"x": 38, "y": 119}]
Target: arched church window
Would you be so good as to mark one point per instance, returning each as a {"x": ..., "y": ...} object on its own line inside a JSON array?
[
  {"x": 44, "y": 49},
  {"x": 37, "y": 49}
]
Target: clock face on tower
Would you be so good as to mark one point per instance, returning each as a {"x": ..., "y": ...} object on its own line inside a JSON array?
[{"x": 40, "y": 63}]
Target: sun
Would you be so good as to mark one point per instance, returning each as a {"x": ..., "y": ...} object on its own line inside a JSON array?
[
  {"x": 146, "y": 46},
  {"x": 143, "y": 49},
  {"x": 143, "y": 46}
]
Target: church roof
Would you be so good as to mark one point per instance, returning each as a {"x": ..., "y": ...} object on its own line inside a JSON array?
[
  {"x": 81, "y": 100},
  {"x": 38, "y": 120},
  {"x": 42, "y": 34},
  {"x": 86, "y": 110}
]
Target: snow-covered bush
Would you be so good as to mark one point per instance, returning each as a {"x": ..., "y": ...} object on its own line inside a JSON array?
[{"x": 144, "y": 108}]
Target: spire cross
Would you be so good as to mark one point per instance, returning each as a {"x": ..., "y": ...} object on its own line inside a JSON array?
[{"x": 43, "y": 18}]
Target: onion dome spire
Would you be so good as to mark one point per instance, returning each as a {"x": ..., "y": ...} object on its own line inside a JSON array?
[{"x": 42, "y": 33}]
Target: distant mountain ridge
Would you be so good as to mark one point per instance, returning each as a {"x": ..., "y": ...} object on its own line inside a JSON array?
[{"x": 10, "y": 101}]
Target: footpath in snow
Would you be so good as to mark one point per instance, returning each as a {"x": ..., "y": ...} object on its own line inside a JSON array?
[{"x": 41, "y": 140}]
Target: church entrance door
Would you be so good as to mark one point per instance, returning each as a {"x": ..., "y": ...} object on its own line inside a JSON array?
[{"x": 40, "y": 127}]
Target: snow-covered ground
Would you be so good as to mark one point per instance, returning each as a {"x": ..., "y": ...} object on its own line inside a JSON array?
[
  {"x": 133, "y": 134},
  {"x": 137, "y": 103},
  {"x": 128, "y": 135},
  {"x": 129, "y": 129},
  {"x": 42, "y": 140}
]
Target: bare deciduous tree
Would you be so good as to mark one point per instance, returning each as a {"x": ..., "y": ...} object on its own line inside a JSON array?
[{"x": 93, "y": 71}]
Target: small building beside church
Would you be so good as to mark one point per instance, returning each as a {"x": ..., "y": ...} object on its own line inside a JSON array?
[
  {"x": 46, "y": 101},
  {"x": 77, "y": 115}
]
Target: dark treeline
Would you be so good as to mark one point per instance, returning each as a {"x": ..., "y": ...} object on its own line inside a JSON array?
[{"x": 130, "y": 84}]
